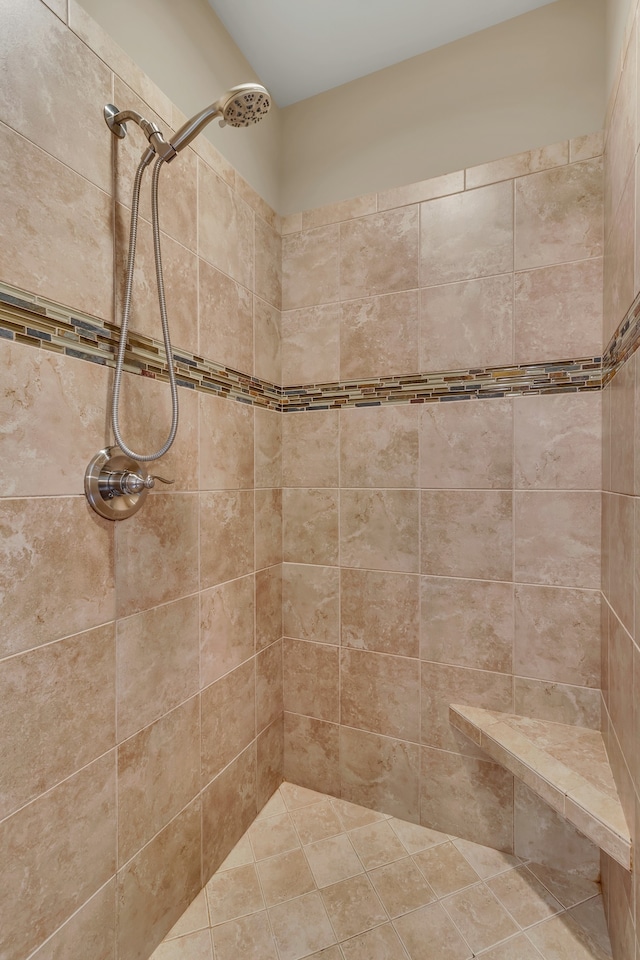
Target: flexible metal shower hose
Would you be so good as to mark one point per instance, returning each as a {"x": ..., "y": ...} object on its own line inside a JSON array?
[{"x": 126, "y": 312}]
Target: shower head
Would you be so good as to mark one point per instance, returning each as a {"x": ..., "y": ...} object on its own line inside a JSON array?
[{"x": 239, "y": 107}]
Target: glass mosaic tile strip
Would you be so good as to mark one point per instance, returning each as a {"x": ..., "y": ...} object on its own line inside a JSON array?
[{"x": 43, "y": 324}]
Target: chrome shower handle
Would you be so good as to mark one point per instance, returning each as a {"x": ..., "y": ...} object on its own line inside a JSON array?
[{"x": 122, "y": 482}]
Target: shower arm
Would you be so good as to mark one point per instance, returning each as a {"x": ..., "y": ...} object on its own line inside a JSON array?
[{"x": 116, "y": 121}]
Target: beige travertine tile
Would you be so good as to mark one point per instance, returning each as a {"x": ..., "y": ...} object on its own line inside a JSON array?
[
  {"x": 377, "y": 844},
  {"x": 482, "y": 921},
  {"x": 248, "y": 937},
  {"x": 225, "y": 319},
  {"x": 380, "y": 693},
  {"x": 269, "y": 760},
  {"x": 558, "y": 442},
  {"x": 391, "y": 240},
  {"x": 268, "y": 606},
  {"x": 269, "y": 686},
  {"x": 457, "y": 528},
  {"x": 167, "y": 528},
  {"x": 310, "y": 525},
  {"x": 381, "y": 943},
  {"x": 311, "y": 602},
  {"x": 71, "y": 75},
  {"x": 59, "y": 7},
  {"x": 622, "y": 426},
  {"x": 180, "y": 271},
  {"x": 444, "y": 942},
  {"x": 557, "y": 634},
  {"x": 379, "y": 336},
  {"x": 586, "y": 147},
  {"x": 516, "y": 948},
  {"x": 228, "y": 807},
  {"x": 467, "y": 444},
  {"x": 47, "y": 208},
  {"x": 379, "y": 529},
  {"x": 295, "y": 796},
  {"x": 291, "y": 223},
  {"x": 518, "y": 165},
  {"x": 310, "y": 449},
  {"x": 158, "y": 775},
  {"x": 234, "y": 893},
  {"x": 380, "y": 611},
  {"x": 559, "y": 702},
  {"x": 310, "y": 267},
  {"x": 342, "y": 210},
  {"x": 621, "y": 684},
  {"x": 557, "y": 538},
  {"x": 75, "y": 824},
  {"x": 619, "y": 264},
  {"x": 316, "y": 821},
  {"x": 524, "y": 896},
  {"x": 467, "y": 797},
  {"x": 228, "y": 719},
  {"x": 193, "y": 946},
  {"x": 195, "y": 917},
  {"x": 311, "y": 679},
  {"x": 621, "y": 136},
  {"x": 467, "y": 235},
  {"x": 544, "y": 836},
  {"x": 226, "y": 239},
  {"x": 379, "y": 446},
  {"x": 226, "y": 536},
  {"x": 268, "y": 528},
  {"x": 268, "y": 264},
  {"x": 91, "y": 931},
  {"x": 621, "y": 524},
  {"x": 445, "y": 869},
  {"x": 380, "y": 772},
  {"x": 241, "y": 854},
  {"x": 268, "y": 448},
  {"x": 301, "y": 926},
  {"x": 311, "y": 345},
  {"x": 145, "y": 419},
  {"x": 467, "y": 622},
  {"x": 67, "y": 714},
  {"x": 486, "y": 861},
  {"x": 563, "y": 937},
  {"x": 416, "y": 838},
  {"x": 467, "y": 324},
  {"x": 226, "y": 627},
  {"x": 267, "y": 342},
  {"x": 401, "y": 887},
  {"x": 423, "y": 190},
  {"x": 226, "y": 444},
  {"x": 352, "y": 816},
  {"x": 273, "y": 836},
  {"x": 157, "y": 663},
  {"x": 442, "y": 685},
  {"x": 285, "y": 877},
  {"x": 40, "y": 537},
  {"x": 311, "y": 755},
  {"x": 568, "y": 889},
  {"x": 353, "y": 906},
  {"x": 559, "y": 215},
  {"x": 41, "y": 392},
  {"x": 558, "y": 311},
  {"x": 333, "y": 859}
]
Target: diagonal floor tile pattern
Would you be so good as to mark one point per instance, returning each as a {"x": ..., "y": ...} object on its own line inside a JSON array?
[{"x": 322, "y": 879}]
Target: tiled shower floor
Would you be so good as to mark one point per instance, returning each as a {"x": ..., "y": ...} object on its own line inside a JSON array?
[{"x": 320, "y": 878}]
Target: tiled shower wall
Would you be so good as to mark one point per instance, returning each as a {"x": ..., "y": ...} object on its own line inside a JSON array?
[
  {"x": 444, "y": 551},
  {"x": 140, "y": 663},
  {"x": 621, "y": 489}
]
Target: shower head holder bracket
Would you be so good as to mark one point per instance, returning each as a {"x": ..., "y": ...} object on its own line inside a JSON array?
[{"x": 116, "y": 486}]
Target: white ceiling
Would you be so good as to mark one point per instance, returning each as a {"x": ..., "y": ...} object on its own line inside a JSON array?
[{"x": 300, "y": 48}]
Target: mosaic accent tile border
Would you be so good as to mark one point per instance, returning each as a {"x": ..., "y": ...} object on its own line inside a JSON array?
[{"x": 41, "y": 323}]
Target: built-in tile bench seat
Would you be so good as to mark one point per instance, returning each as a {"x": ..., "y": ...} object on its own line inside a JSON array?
[{"x": 565, "y": 765}]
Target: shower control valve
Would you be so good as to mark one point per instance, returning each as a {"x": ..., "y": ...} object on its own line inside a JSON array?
[{"x": 117, "y": 486}]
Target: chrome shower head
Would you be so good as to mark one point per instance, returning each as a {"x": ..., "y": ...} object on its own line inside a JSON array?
[{"x": 239, "y": 107}]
